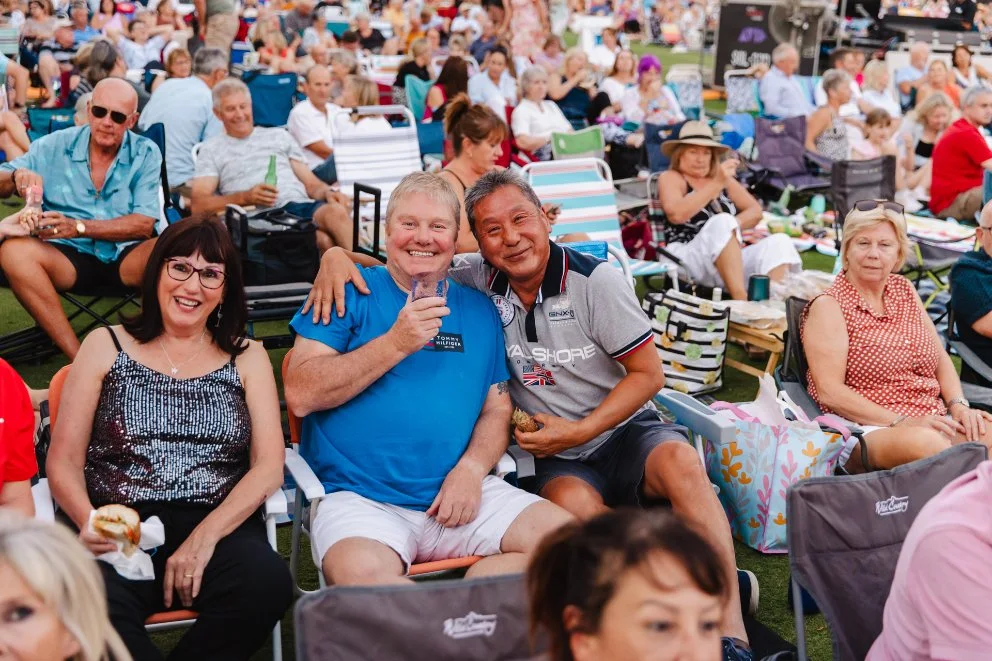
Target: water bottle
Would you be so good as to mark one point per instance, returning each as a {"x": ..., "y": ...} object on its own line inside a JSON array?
[{"x": 271, "y": 179}]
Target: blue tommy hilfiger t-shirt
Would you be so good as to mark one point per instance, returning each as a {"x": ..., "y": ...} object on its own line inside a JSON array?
[{"x": 396, "y": 441}]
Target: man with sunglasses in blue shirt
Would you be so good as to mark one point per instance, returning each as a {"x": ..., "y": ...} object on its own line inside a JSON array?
[{"x": 100, "y": 186}]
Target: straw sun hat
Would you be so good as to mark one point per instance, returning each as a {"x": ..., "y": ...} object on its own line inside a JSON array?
[{"x": 693, "y": 133}]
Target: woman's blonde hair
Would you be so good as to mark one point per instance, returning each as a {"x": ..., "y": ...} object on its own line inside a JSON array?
[
  {"x": 857, "y": 222},
  {"x": 366, "y": 91},
  {"x": 56, "y": 567},
  {"x": 418, "y": 47},
  {"x": 571, "y": 53},
  {"x": 931, "y": 103},
  {"x": 874, "y": 73},
  {"x": 676, "y": 159}
]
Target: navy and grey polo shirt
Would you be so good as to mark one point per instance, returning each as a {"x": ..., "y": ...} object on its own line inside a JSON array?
[{"x": 563, "y": 354}]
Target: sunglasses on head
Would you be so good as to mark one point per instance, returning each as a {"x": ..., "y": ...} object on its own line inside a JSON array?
[
  {"x": 100, "y": 112},
  {"x": 871, "y": 205}
]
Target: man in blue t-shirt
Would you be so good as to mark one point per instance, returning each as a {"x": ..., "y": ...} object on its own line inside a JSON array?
[
  {"x": 406, "y": 412},
  {"x": 971, "y": 300}
]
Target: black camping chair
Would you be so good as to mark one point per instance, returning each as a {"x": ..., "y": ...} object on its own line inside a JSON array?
[
  {"x": 790, "y": 375},
  {"x": 875, "y": 179},
  {"x": 976, "y": 374},
  {"x": 781, "y": 146},
  {"x": 94, "y": 307}
]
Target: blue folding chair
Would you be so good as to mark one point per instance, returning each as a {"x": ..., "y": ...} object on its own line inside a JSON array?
[
  {"x": 272, "y": 96},
  {"x": 43, "y": 121},
  {"x": 431, "y": 137}
]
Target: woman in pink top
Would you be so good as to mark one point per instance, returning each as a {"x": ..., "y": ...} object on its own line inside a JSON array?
[{"x": 874, "y": 355}]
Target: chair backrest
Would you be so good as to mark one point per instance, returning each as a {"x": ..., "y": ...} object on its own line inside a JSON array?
[
  {"x": 781, "y": 144},
  {"x": 476, "y": 620},
  {"x": 295, "y": 423},
  {"x": 430, "y": 137},
  {"x": 583, "y": 188},
  {"x": 654, "y": 136},
  {"x": 794, "y": 365},
  {"x": 55, "y": 393},
  {"x": 376, "y": 157},
  {"x": 416, "y": 94},
  {"x": 579, "y": 144},
  {"x": 851, "y": 181},
  {"x": 42, "y": 119},
  {"x": 833, "y": 520},
  {"x": 170, "y": 213},
  {"x": 9, "y": 41},
  {"x": 272, "y": 96},
  {"x": 742, "y": 91}
]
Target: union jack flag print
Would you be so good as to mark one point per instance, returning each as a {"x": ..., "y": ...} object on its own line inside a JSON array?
[{"x": 537, "y": 375}]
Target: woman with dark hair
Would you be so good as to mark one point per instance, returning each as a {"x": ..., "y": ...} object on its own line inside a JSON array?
[
  {"x": 176, "y": 415},
  {"x": 477, "y": 135},
  {"x": 966, "y": 72},
  {"x": 630, "y": 584},
  {"x": 452, "y": 81}
]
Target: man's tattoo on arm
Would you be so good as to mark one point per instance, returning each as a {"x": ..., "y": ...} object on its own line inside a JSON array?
[{"x": 503, "y": 387}]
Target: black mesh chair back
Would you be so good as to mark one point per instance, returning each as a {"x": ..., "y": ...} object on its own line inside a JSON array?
[{"x": 851, "y": 181}]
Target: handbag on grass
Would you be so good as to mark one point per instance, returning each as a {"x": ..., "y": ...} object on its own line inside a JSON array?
[
  {"x": 769, "y": 454},
  {"x": 690, "y": 334},
  {"x": 277, "y": 247}
]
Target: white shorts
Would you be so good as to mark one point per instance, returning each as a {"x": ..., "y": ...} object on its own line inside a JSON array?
[
  {"x": 698, "y": 256},
  {"x": 415, "y": 536}
]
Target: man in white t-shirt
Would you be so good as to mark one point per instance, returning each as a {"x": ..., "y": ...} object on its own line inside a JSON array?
[{"x": 310, "y": 123}]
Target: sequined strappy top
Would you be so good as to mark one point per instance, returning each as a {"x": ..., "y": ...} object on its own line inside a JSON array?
[{"x": 161, "y": 439}]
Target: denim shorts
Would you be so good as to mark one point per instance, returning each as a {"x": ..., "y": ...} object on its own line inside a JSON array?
[
  {"x": 303, "y": 209},
  {"x": 616, "y": 468}
]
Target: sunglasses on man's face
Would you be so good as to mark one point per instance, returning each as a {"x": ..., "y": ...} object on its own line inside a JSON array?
[
  {"x": 871, "y": 205},
  {"x": 100, "y": 112}
]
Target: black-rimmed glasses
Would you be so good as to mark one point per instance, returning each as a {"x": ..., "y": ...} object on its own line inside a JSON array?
[{"x": 211, "y": 277}]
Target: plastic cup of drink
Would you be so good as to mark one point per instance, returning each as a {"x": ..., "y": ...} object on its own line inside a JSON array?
[{"x": 427, "y": 285}]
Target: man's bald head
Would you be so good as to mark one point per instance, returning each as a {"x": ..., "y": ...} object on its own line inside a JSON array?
[
  {"x": 116, "y": 94},
  {"x": 113, "y": 110}
]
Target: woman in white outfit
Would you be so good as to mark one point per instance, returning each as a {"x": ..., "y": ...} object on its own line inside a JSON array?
[
  {"x": 705, "y": 207},
  {"x": 535, "y": 118}
]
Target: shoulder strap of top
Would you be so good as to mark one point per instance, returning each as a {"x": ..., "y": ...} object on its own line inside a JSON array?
[
  {"x": 113, "y": 336},
  {"x": 452, "y": 173}
]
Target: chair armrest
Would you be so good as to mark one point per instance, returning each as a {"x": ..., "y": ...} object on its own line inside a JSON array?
[
  {"x": 505, "y": 466},
  {"x": 523, "y": 459},
  {"x": 303, "y": 474},
  {"x": 699, "y": 418},
  {"x": 972, "y": 360},
  {"x": 824, "y": 164},
  {"x": 44, "y": 506},
  {"x": 276, "y": 504}
]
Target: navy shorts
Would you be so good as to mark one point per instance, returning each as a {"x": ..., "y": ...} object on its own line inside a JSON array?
[
  {"x": 616, "y": 468},
  {"x": 303, "y": 209}
]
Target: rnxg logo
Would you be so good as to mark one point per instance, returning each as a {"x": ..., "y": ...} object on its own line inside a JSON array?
[
  {"x": 469, "y": 626},
  {"x": 894, "y": 505}
]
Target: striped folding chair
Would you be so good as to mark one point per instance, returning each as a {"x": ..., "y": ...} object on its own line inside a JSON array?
[
  {"x": 583, "y": 188},
  {"x": 378, "y": 158}
]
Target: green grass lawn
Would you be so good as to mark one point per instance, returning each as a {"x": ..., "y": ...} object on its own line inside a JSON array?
[{"x": 772, "y": 570}]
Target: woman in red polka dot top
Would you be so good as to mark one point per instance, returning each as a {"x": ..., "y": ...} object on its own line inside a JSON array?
[{"x": 874, "y": 355}]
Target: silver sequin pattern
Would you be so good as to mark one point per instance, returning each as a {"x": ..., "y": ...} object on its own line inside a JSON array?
[{"x": 160, "y": 439}]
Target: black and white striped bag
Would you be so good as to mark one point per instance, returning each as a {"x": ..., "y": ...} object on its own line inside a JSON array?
[{"x": 690, "y": 334}]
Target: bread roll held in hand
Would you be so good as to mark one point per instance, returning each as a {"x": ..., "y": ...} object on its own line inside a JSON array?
[
  {"x": 119, "y": 523},
  {"x": 523, "y": 421}
]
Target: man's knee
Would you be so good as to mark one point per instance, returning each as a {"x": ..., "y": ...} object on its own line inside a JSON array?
[
  {"x": 21, "y": 255},
  {"x": 575, "y": 496},
  {"x": 674, "y": 468},
  {"x": 537, "y": 521},
  {"x": 359, "y": 561}
]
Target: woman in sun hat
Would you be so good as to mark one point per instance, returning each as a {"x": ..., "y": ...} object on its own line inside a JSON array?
[{"x": 705, "y": 207}]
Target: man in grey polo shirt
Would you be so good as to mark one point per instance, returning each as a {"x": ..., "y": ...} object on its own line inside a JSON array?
[{"x": 582, "y": 361}]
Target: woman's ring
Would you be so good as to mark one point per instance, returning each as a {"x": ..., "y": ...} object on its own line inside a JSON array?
[{"x": 188, "y": 575}]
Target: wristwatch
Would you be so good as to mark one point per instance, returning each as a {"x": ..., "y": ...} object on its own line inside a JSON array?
[
  {"x": 80, "y": 228},
  {"x": 959, "y": 400}
]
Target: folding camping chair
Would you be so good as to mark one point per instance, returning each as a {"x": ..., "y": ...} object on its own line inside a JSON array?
[
  {"x": 309, "y": 490},
  {"x": 583, "y": 188},
  {"x": 272, "y": 96},
  {"x": 844, "y": 551},
  {"x": 852, "y": 181},
  {"x": 480, "y": 620},
  {"x": 972, "y": 365},
  {"x": 275, "y": 506},
  {"x": 33, "y": 344},
  {"x": 790, "y": 376},
  {"x": 42, "y": 121},
  {"x": 379, "y": 158},
  {"x": 579, "y": 144},
  {"x": 782, "y": 150}
]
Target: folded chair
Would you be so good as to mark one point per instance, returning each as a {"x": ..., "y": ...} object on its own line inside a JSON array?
[
  {"x": 97, "y": 306},
  {"x": 578, "y": 144},
  {"x": 791, "y": 375},
  {"x": 309, "y": 491},
  {"x": 845, "y": 534},
  {"x": 275, "y": 506},
  {"x": 782, "y": 149},
  {"x": 583, "y": 188}
]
